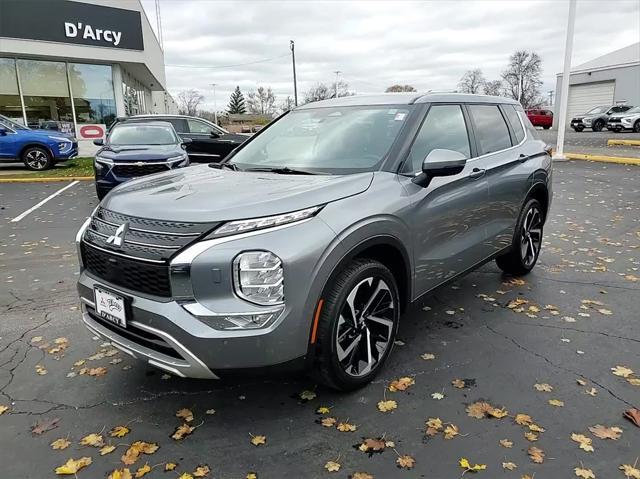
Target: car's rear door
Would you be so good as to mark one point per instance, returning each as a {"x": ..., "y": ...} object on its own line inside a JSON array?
[{"x": 447, "y": 217}]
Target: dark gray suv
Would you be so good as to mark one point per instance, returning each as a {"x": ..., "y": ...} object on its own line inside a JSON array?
[{"x": 303, "y": 248}]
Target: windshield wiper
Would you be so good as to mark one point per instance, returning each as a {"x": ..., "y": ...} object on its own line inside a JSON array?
[
  {"x": 231, "y": 166},
  {"x": 282, "y": 170}
]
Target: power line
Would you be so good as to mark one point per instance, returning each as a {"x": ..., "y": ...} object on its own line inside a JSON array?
[{"x": 227, "y": 66}]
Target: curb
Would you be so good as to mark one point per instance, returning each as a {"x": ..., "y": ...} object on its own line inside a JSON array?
[
  {"x": 613, "y": 142},
  {"x": 604, "y": 159},
  {"x": 45, "y": 180}
]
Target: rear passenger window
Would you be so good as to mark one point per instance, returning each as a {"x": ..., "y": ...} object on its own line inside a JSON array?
[
  {"x": 514, "y": 120},
  {"x": 443, "y": 128},
  {"x": 491, "y": 130},
  {"x": 199, "y": 127},
  {"x": 179, "y": 124}
]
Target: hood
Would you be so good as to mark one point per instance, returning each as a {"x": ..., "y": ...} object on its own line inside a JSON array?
[
  {"x": 140, "y": 152},
  {"x": 203, "y": 194}
]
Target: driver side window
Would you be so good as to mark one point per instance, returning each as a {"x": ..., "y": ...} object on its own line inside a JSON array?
[
  {"x": 444, "y": 128},
  {"x": 199, "y": 127}
]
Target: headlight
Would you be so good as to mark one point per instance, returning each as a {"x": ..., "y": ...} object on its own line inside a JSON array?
[
  {"x": 105, "y": 161},
  {"x": 259, "y": 277},
  {"x": 586, "y": 120},
  {"x": 242, "y": 226},
  {"x": 60, "y": 138},
  {"x": 181, "y": 160}
]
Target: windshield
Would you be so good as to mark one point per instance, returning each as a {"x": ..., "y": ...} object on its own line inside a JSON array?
[
  {"x": 128, "y": 134},
  {"x": 6, "y": 122},
  {"x": 337, "y": 140},
  {"x": 598, "y": 109}
]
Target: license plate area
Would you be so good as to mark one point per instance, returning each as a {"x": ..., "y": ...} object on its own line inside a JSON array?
[{"x": 110, "y": 306}]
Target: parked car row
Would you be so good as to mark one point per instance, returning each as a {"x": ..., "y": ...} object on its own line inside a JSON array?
[{"x": 597, "y": 118}]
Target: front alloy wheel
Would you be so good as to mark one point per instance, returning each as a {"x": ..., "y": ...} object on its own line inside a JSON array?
[
  {"x": 37, "y": 159},
  {"x": 357, "y": 325},
  {"x": 527, "y": 241}
]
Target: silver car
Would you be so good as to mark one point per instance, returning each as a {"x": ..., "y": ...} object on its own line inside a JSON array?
[{"x": 306, "y": 245}]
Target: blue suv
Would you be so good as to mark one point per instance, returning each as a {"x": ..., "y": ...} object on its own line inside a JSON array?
[{"x": 38, "y": 149}]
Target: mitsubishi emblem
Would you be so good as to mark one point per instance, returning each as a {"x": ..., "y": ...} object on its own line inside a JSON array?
[{"x": 117, "y": 238}]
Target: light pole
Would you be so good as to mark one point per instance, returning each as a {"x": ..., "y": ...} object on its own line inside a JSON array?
[
  {"x": 215, "y": 104},
  {"x": 292, "y": 45},
  {"x": 337, "y": 72},
  {"x": 566, "y": 74}
]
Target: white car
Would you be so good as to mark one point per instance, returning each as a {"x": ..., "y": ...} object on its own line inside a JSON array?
[{"x": 629, "y": 120}]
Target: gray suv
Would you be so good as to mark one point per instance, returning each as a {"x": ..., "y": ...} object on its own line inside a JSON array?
[{"x": 303, "y": 248}]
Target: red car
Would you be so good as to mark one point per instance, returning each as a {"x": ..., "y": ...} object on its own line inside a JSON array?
[{"x": 543, "y": 118}]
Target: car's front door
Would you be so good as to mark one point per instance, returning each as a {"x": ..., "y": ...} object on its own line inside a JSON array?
[
  {"x": 208, "y": 142},
  {"x": 447, "y": 217},
  {"x": 9, "y": 143}
]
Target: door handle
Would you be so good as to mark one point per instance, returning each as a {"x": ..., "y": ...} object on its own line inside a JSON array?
[
  {"x": 477, "y": 173},
  {"x": 522, "y": 158}
]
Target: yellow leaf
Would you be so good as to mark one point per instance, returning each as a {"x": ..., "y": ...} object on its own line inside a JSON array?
[
  {"x": 107, "y": 450},
  {"x": 332, "y": 466},
  {"x": 544, "y": 387},
  {"x": 401, "y": 384},
  {"x": 328, "y": 421},
  {"x": 509, "y": 465},
  {"x": 406, "y": 462},
  {"x": 536, "y": 428},
  {"x": 143, "y": 470},
  {"x": 137, "y": 448},
  {"x": 468, "y": 467},
  {"x": 170, "y": 466},
  {"x": 556, "y": 402},
  {"x": 584, "y": 473},
  {"x": 386, "y": 406},
  {"x": 41, "y": 370},
  {"x": 604, "y": 432},
  {"x": 72, "y": 466},
  {"x": 634, "y": 381},
  {"x": 536, "y": 454},
  {"x": 185, "y": 475},
  {"x": 584, "y": 441},
  {"x": 499, "y": 413},
  {"x": 36, "y": 339},
  {"x": 94, "y": 440},
  {"x": 3, "y": 409},
  {"x": 346, "y": 427},
  {"x": 307, "y": 395},
  {"x": 506, "y": 443},
  {"x": 258, "y": 440},
  {"x": 119, "y": 431},
  {"x": 323, "y": 410},
  {"x": 60, "y": 444},
  {"x": 120, "y": 474},
  {"x": 630, "y": 471},
  {"x": 182, "y": 431},
  {"x": 434, "y": 422},
  {"x": 252, "y": 475},
  {"x": 622, "y": 371},
  {"x": 531, "y": 436},
  {"x": 361, "y": 475},
  {"x": 101, "y": 371},
  {"x": 185, "y": 414},
  {"x": 523, "y": 419},
  {"x": 201, "y": 471},
  {"x": 451, "y": 431}
]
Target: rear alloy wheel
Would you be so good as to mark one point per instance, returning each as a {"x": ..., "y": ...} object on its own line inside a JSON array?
[
  {"x": 37, "y": 159},
  {"x": 598, "y": 125},
  {"x": 636, "y": 126},
  {"x": 357, "y": 325},
  {"x": 527, "y": 241}
]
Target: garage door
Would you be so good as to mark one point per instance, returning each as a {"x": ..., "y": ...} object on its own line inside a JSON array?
[{"x": 583, "y": 98}]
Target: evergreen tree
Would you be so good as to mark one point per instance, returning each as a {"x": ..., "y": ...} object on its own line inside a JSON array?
[{"x": 236, "y": 102}]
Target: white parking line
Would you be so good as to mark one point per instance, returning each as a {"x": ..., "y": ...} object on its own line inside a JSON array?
[{"x": 50, "y": 197}]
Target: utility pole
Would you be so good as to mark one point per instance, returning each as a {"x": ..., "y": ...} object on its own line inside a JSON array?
[
  {"x": 551, "y": 97},
  {"x": 566, "y": 78},
  {"x": 293, "y": 59},
  {"x": 337, "y": 72},
  {"x": 215, "y": 104}
]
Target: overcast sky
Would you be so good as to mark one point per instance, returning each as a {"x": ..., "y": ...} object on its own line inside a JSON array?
[{"x": 428, "y": 44}]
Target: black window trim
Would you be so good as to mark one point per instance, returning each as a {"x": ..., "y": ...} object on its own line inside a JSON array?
[{"x": 526, "y": 136}]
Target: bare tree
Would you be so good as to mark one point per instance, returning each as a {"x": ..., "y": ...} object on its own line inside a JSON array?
[
  {"x": 286, "y": 104},
  {"x": 188, "y": 101},
  {"x": 261, "y": 102},
  {"x": 322, "y": 91},
  {"x": 399, "y": 88},
  {"x": 493, "y": 87},
  {"x": 472, "y": 81},
  {"x": 522, "y": 78}
]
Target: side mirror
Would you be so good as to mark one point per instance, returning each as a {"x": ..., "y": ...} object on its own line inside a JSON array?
[
  {"x": 186, "y": 141},
  {"x": 440, "y": 163},
  {"x": 3, "y": 131},
  {"x": 98, "y": 142},
  {"x": 214, "y": 134}
]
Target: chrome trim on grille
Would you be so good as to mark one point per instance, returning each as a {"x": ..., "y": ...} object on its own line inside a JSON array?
[
  {"x": 136, "y": 258},
  {"x": 131, "y": 228},
  {"x": 136, "y": 242}
]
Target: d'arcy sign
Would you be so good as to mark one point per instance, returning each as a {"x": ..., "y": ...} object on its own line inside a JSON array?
[{"x": 71, "y": 22}]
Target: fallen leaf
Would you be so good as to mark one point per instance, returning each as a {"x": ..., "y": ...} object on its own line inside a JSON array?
[
  {"x": 137, "y": 448},
  {"x": 458, "y": 383},
  {"x": 332, "y": 466},
  {"x": 258, "y": 440},
  {"x": 185, "y": 414},
  {"x": 535, "y": 428},
  {"x": 252, "y": 475},
  {"x": 468, "y": 467},
  {"x": 107, "y": 450},
  {"x": 556, "y": 402},
  {"x": 45, "y": 425},
  {"x": 509, "y": 465},
  {"x": 60, "y": 444},
  {"x": 346, "y": 427},
  {"x": 536, "y": 454},
  {"x": 584, "y": 473},
  {"x": 101, "y": 371},
  {"x": 437, "y": 396},
  {"x": 323, "y": 410},
  {"x": 170, "y": 466},
  {"x": 328, "y": 421},
  {"x": 401, "y": 384},
  {"x": 406, "y": 462},
  {"x": 428, "y": 356},
  {"x": 119, "y": 431},
  {"x": 584, "y": 441},
  {"x": 531, "y": 436},
  {"x": 72, "y": 466},
  {"x": 201, "y": 471},
  {"x": 544, "y": 387},
  {"x": 630, "y": 471},
  {"x": 93, "y": 440},
  {"x": 506, "y": 443},
  {"x": 622, "y": 371},
  {"x": 633, "y": 415},
  {"x": 36, "y": 339},
  {"x": 591, "y": 392},
  {"x": 451, "y": 431},
  {"x": 185, "y": 475},
  {"x": 361, "y": 475},
  {"x": 307, "y": 395},
  {"x": 41, "y": 370},
  {"x": 523, "y": 419},
  {"x": 210, "y": 412},
  {"x": 386, "y": 406},
  {"x": 482, "y": 409},
  {"x": 3, "y": 409},
  {"x": 120, "y": 474},
  {"x": 604, "y": 432},
  {"x": 634, "y": 381},
  {"x": 372, "y": 445},
  {"x": 581, "y": 382},
  {"x": 143, "y": 470},
  {"x": 181, "y": 432}
]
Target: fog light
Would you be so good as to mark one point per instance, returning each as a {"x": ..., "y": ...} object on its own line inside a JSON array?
[
  {"x": 259, "y": 277},
  {"x": 243, "y": 321}
]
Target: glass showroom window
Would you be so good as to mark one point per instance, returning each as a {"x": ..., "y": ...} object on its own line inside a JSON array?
[
  {"x": 10, "y": 104},
  {"x": 45, "y": 92},
  {"x": 92, "y": 90}
]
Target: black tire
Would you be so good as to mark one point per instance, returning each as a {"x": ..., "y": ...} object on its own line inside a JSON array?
[
  {"x": 598, "y": 125},
  {"x": 101, "y": 193},
  {"x": 636, "y": 126},
  {"x": 518, "y": 261},
  {"x": 36, "y": 158},
  {"x": 578, "y": 129},
  {"x": 546, "y": 127},
  {"x": 354, "y": 278}
]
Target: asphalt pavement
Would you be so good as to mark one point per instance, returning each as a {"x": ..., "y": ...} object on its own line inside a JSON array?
[{"x": 565, "y": 325}]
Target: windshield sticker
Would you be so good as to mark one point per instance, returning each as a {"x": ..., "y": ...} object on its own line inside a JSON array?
[{"x": 400, "y": 116}]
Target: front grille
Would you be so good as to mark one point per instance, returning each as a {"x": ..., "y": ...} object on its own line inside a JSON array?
[
  {"x": 615, "y": 120},
  {"x": 134, "y": 170},
  {"x": 141, "y": 262}
]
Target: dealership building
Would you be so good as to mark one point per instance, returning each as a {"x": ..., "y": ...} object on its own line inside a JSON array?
[
  {"x": 74, "y": 65},
  {"x": 610, "y": 79}
]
